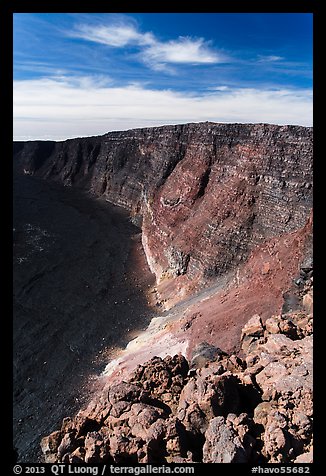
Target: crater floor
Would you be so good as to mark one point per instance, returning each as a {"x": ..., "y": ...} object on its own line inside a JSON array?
[{"x": 79, "y": 280}]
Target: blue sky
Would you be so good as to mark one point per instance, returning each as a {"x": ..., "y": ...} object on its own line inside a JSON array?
[{"x": 87, "y": 74}]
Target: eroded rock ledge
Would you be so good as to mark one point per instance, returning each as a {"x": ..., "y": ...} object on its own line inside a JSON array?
[{"x": 213, "y": 408}]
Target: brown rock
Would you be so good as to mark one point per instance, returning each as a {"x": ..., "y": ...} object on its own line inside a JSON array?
[
  {"x": 277, "y": 442},
  {"x": 308, "y": 302},
  {"x": 203, "y": 398},
  {"x": 288, "y": 328},
  {"x": 266, "y": 268},
  {"x": 272, "y": 325},
  {"x": 124, "y": 448},
  {"x": 67, "y": 445},
  {"x": 141, "y": 418},
  {"x": 287, "y": 374},
  {"x": 175, "y": 438},
  {"x": 50, "y": 443},
  {"x": 181, "y": 460},
  {"x": 90, "y": 418},
  {"x": 252, "y": 334},
  {"x": 77, "y": 456},
  {"x": 49, "y": 446},
  {"x": 162, "y": 375},
  {"x": 119, "y": 408},
  {"x": 93, "y": 446},
  {"x": 251, "y": 344},
  {"x": 302, "y": 423},
  {"x": 243, "y": 425},
  {"x": 193, "y": 418},
  {"x": 253, "y": 328},
  {"x": 127, "y": 392},
  {"x": 67, "y": 425},
  {"x": 262, "y": 411}
]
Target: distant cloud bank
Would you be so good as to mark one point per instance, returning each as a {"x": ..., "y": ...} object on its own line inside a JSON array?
[{"x": 58, "y": 108}]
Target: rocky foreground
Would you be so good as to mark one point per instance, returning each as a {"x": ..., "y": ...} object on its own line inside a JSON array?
[{"x": 216, "y": 408}]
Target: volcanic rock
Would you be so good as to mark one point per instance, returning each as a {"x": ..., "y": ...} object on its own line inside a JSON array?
[
  {"x": 205, "y": 416},
  {"x": 189, "y": 182},
  {"x": 49, "y": 446},
  {"x": 205, "y": 353},
  {"x": 251, "y": 332},
  {"x": 222, "y": 444},
  {"x": 305, "y": 457},
  {"x": 226, "y": 201}
]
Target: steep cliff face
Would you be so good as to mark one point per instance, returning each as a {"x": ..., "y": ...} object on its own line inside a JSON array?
[{"x": 207, "y": 193}]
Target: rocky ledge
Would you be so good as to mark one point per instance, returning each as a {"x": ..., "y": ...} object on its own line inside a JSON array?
[{"x": 217, "y": 407}]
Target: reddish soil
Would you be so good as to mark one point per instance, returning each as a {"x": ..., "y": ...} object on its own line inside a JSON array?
[
  {"x": 259, "y": 289},
  {"x": 217, "y": 315}
]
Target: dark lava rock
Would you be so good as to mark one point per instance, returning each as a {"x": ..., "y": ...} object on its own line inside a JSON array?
[{"x": 204, "y": 353}]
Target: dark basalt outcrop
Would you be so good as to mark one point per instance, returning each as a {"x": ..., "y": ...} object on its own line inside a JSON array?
[{"x": 207, "y": 193}]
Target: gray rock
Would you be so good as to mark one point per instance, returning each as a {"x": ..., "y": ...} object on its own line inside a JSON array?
[
  {"x": 222, "y": 444},
  {"x": 204, "y": 353}
]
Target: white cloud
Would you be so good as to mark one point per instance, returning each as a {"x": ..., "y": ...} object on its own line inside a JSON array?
[
  {"x": 183, "y": 50},
  {"x": 219, "y": 88},
  {"x": 115, "y": 35},
  {"x": 153, "y": 52},
  {"x": 269, "y": 59},
  {"x": 38, "y": 67},
  {"x": 60, "y": 108}
]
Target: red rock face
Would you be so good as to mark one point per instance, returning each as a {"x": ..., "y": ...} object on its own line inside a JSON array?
[
  {"x": 257, "y": 288},
  {"x": 222, "y": 200},
  {"x": 208, "y": 193}
]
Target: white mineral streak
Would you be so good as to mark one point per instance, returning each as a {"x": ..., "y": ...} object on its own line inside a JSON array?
[
  {"x": 152, "y": 264},
  {"x": 156, "y": 340}
]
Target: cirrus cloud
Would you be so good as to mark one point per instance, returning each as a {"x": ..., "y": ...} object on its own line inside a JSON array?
[
  {"x": 116, "y": 36},
  {"x": 269, "y": 58},
  {"x": 151, "y": 51}
]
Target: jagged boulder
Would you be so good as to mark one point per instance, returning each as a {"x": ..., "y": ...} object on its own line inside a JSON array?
[
  {"x": 163, "y": 378},
  {"x": 223, "y": 444},
  {"x": 203, "y": 398},
  {"x": 49, "y": 446},
  {"x": 252, "y": 332}
]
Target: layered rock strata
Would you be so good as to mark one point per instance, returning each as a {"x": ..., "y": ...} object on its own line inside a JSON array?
[
  {"x": 215, "y": 408},
  {"x": 206, "y": 193}
]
